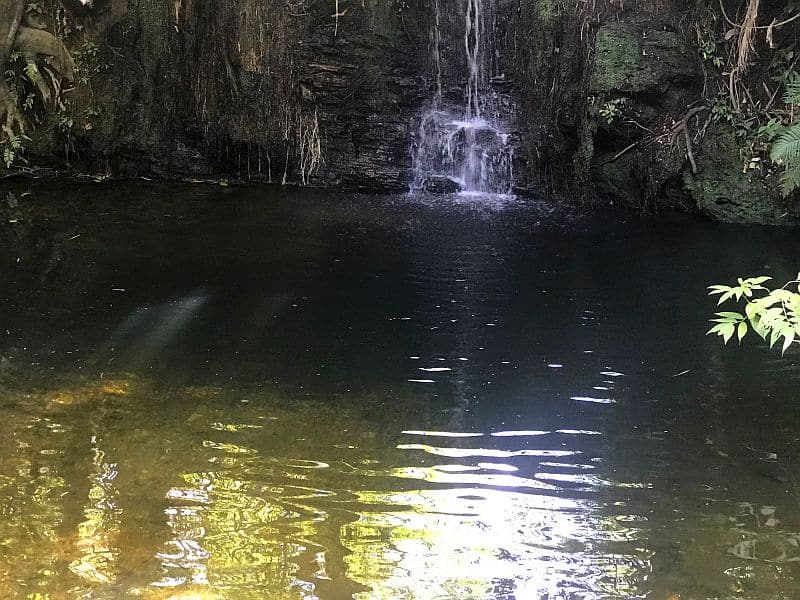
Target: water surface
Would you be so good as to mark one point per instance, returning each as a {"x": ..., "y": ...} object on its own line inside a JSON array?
[{"x": 245, "y": 393}]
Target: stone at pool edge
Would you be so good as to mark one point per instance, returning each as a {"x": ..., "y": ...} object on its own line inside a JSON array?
[{"x": 441, "y": 185}]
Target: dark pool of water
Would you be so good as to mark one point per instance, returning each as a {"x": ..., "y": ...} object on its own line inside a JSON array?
[{"x": 245, "y": 393}]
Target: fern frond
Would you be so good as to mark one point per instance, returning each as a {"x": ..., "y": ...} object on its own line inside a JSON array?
[
  {"x": 791, "y": 94},
  {"x": 790, "y": 179},
  {"x": 786, "y": 147}
]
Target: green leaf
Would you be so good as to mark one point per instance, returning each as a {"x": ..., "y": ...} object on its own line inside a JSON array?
[
  {"x": 718, "y": 289},
  {"x": 766, "y": 301},
  {"x": 787, "y": 342},
  {"x": 727, "y": 331},
  {"x": 760, "y": 329},
  {"x": 741, "y": 331},
  {"x": 786, "y": 148},
  {"x": 773, "y": 314},
  {"x": 792, "y": 91},
  {"x": 731, "y": 316},
  {"x": 752, "y": 310},
  {"x": 773, "y": 338},
  {"x": 759, "y": 280}
]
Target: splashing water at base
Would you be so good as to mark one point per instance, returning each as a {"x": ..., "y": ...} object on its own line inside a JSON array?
[{"x": 456, "y": 154}]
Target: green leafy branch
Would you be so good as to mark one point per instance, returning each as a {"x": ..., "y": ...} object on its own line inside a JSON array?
[
  {"x": 772, "y": 314},
  {"x": 786, "y": 151},
  {"x": 12, "y": 149}
]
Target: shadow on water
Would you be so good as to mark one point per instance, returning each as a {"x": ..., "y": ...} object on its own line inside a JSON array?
[{"x": 217, "y": 393}]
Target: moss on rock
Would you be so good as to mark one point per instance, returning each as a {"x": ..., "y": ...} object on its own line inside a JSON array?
[
  {"x": 632, "y": 59},
  {"x": 724, "y": 192}
]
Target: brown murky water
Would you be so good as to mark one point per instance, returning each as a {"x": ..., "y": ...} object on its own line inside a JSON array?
[{"x": 215, "y": 393}]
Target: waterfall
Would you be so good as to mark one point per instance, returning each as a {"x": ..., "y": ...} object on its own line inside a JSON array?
[
  {"x": 472, "y": 48},
  {"x": 462, "y": 145}
]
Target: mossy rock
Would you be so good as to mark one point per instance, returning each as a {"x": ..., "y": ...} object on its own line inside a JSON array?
[
  {"x": 638, "y": 178},
  {"x": 620, "y": 180},
  {"x": 725, "y": 193},
  {"x": 546, "y": 10},
  {"x": 631, "y": 59}
]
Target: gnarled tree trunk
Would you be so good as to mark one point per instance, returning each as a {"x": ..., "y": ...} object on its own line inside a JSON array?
[
  {"x": 11, "y": 12},
  {"x": 31, "y": 43}
]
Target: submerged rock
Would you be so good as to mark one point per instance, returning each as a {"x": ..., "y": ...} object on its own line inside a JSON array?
[{"x": 441, "y": 185}]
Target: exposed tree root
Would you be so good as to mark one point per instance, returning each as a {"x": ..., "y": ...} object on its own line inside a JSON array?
[
  {"x": 11, "y": 13},
  {"x": 34, "y": 42},
  {"x": 11, "y": 121},
  {"x": 681, "y": 127},
  {"x": 744, "y": 48},
  {"x": 31, "y": 43}
]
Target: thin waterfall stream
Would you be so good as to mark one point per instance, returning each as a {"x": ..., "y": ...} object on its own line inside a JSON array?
[{"x": 466, "y": 147}]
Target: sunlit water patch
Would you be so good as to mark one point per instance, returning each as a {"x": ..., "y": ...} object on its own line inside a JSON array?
[
  {"x": 236, "y": 499},
  {"x": 385, "y": 398}
]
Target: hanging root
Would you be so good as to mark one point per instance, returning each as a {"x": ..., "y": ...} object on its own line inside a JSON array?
[
  {"x": 310, "y": 146},
  {"x": 745, "y": 47},
  {"x": 681, "y": 127}
]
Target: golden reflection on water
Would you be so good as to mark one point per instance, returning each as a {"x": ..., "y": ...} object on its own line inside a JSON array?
[
  {"x": 130, "y": 491},
  {"x": 96, "y": 539}
]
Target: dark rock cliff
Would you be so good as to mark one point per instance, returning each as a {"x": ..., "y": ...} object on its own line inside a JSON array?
[{"x": 329, "y": 93}]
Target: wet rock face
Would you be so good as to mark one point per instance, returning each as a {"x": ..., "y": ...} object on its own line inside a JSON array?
[
  {"x": 365, "y": 84},
  {"x": 263, "y": 89},
  {"x": 647, "y": 75},
  {"x": 252, "y": 88},
  {"x": 723, "y": 192},
  {"x": 633, "y": 59}
]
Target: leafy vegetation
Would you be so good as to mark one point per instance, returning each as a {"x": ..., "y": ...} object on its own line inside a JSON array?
[
  {"x": 12, "y": 149},
  {"x": 612, "y": 110},
  {"x": 89, "y": 61},
  {"x": 786, "y": 151},
  {"x": 774, "y": 314},
  {"x": 752, "y": 65},
  {"x": 786, "y": 148},
  {"x": 709, "y": 51}
]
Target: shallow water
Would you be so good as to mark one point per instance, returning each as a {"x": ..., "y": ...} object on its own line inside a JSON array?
[{"x": 219, "y": 393}]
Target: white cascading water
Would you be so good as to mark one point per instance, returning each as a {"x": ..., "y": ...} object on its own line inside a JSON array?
[{"x": 462, "y": 147}]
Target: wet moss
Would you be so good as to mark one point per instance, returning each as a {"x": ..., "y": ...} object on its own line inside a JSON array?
[
  {"x": 633, "y": 59},
  {"x": 546, "y": 10},
  {"x": 724, "y": 192}
]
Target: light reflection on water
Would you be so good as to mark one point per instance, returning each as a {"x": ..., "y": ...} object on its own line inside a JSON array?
[
  {"x": 248, "y": 508},
  {"x": 385, "y": 400}
]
